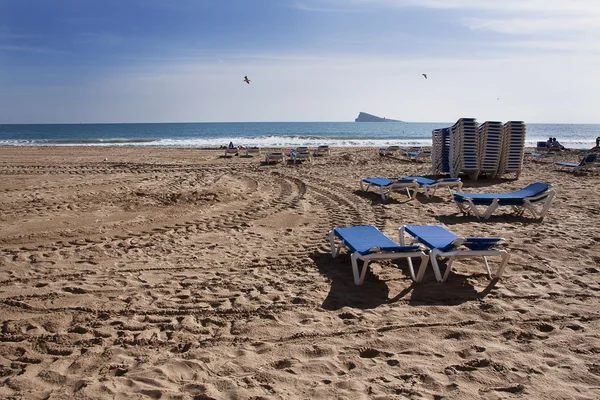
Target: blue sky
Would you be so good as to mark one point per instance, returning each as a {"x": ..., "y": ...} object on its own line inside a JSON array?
[{"x": 310, "y": 60}]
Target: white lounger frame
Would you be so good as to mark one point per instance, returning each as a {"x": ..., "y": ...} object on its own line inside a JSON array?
[
  {"x": 454, "y": 254},
  {"x": 359, "y": 276},
  {"x": 390, "y": 150},
  {"x": 441, "y": 184},
  {"x": 252, "y": 150},
  {"x": 269, "y": 158},
  {"x": 385, "y": 191},
  {"x": 468, "y": 207},
  {"x": 322, "y": 150},
  {"x": 303, "y": 156}
]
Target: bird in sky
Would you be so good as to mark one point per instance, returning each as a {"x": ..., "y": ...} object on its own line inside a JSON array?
[
  {"x": 425, "y": 75},
  {"x": 246, "y": 80}
]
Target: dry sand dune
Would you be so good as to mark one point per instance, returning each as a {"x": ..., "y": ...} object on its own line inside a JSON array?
[{"x": 181, "y": 274}]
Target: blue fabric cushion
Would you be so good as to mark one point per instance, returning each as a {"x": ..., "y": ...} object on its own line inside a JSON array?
[
  {"x": 378, "y": 181},
  {"x": 505, "y": 199},
  {"x": 426, "y": 181},
  {"x": 368, "y": 239},
  {"x": 419, "y": 179},
  {"x": 434, "y": 236},
  {"x": 481, "y": 243},
  {"x": 438, "y": 237}
]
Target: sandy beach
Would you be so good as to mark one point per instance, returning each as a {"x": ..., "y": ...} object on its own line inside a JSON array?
[{"x": 182, "y": 274}]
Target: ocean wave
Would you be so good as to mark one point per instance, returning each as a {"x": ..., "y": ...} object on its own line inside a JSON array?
[{"x": 271, "y": 141}]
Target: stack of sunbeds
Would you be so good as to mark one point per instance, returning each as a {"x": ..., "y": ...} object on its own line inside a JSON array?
[
  {"x": 490, "y": 147},
  {"x": 464, "y": 148},
  {"x": 511, "y": 159},
  {"x": 469, "y": 148},
  {"x": 440, "y": 152}
]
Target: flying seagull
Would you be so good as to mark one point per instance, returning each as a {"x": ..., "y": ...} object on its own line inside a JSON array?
[
  {"x": 246, "y": 80},
  {"x": 425, "y": 75}
]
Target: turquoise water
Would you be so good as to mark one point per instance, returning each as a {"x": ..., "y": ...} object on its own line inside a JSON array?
[{"x": 266, "y": 134}]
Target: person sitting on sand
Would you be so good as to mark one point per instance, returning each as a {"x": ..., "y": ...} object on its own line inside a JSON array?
[
  {"x": 557, "y": 145},
  {"x": 598, "y": 141},
  {"x": 231, "y": 146}
]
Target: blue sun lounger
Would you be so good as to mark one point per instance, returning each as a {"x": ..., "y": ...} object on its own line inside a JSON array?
[
  {"x": 390, "y": 150},
  {"x": 526, "y": 199},
  {"x": 430, "y": 184},
  {"x": 368, "y": 243},
  {"x": 387, "y": 186},
  {"x": 586, "y": 162},
  {"x": 443, "y": 243}
]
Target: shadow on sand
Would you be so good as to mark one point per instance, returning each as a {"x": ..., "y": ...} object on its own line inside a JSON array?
[{"x": 375, "y": 291}]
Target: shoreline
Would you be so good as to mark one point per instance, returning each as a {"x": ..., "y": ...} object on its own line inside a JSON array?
[{"x": 175, "y": 273}]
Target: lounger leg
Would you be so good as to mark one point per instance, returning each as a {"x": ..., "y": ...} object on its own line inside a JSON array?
[
  {"x": 433, "y": 255},
  {"x": 487, "y": 267},
  {"x": 382, "y": 192},
  {"x": 505, "y": 257},
  {"x": 415, "y": 191},
  {"x": 448, "y": 269},
  {"x": 358, "y": 280},
  {"x": 462, "y": 208},
  {"x": 334, "y": 252},
  {"x": 544, "y": 209},
  {"x": 491, "y": 209},
  {"x": 422, "y": 268},
  {"x": 411, "y": 269},
  {"x": 401, "y": 231},
  {"x": 548, "y": 203}
]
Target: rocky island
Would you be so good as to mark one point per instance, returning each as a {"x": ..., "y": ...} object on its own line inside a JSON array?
[{"x": 365, "y": 117}]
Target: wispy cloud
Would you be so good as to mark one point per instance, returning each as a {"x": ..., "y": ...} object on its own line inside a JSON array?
[
  {"x": 574, "y": 24},
  {"x": 27, "y": 49}
]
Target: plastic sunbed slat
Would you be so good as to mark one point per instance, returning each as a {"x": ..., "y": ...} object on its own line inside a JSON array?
[{"x": 368, "y": 239}]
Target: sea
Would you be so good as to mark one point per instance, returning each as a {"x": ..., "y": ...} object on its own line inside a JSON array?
[{"x": 266, "y": 134}]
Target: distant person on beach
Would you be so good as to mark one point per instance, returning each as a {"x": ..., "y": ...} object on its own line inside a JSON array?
[
  {"x": 231, "y": 146},
  {"x": 556, "y": 145},
  {"x": 598, "y": 141}
]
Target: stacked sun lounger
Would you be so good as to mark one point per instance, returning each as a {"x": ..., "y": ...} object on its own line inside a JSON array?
[
  {"x": 511, "y": 159},
  {"x": 467, "y": 148},
  {"x": 440, "y": 152},
  {"x": 464, "y": 148},
  {"x": 490, "y": 147}
]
